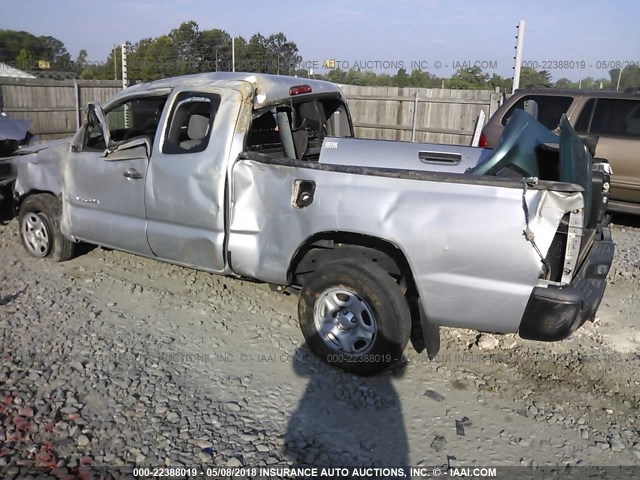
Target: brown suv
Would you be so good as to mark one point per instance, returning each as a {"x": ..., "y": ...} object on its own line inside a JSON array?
[{"x": 614, "y": 117}]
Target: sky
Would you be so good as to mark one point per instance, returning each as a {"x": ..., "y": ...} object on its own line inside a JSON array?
[{"x": 438, "y": 35}]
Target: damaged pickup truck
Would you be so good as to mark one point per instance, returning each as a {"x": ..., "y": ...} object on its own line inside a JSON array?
[{"x": 259, "y": 176}]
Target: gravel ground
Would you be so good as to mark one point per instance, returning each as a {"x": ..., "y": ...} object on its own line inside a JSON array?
[{"x": 112, "y": 359}]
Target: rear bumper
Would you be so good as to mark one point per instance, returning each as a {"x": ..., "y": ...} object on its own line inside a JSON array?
[{"x": 554, "y": 312}]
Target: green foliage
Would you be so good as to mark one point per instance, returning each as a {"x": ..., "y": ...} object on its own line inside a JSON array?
[
  {"x": 50, "y": 49},
  {"x": 24, "y": 60},
  {"x": 187, "y": 49},
  {"x": 531, "y": 78},
  {"x": 630, "y": 77},
  {"x": 472, "y": 78}
]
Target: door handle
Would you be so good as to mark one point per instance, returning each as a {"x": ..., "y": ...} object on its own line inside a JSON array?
[{"x": 133, "y": 173}]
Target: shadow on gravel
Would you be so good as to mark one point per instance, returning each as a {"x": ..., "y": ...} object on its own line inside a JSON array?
[
  {"x": 7, "y": 299},
  {"x": 345, "y": 420}
]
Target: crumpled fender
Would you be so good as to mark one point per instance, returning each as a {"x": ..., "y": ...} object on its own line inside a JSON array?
[{"x": 40, "y": 167}]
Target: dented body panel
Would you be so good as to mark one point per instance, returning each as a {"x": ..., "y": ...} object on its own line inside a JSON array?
[
  {"x": 39, "y": 167},
  {"x": 440, "y": 239},
  {"x": 475, "y": 244}
]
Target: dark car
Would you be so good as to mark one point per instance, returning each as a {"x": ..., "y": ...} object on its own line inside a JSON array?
[{"x": 14, "y": 134}]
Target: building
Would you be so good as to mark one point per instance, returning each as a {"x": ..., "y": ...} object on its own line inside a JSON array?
[{"x": 12, "y": 72}]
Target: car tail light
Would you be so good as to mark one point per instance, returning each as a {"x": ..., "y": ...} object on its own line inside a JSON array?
[
  {"x": 483, "y": 141},
  {"x": 299, "y": 89}
]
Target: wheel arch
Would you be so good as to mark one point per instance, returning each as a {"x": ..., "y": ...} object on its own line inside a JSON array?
[
  {"x": 334, "y": 245},
  {"x": 338, "y": 244},
  {"x": 18, "y": 199}
]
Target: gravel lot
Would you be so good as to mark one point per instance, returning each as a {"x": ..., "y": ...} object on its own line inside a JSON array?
[{"x": 112, "y": 359}]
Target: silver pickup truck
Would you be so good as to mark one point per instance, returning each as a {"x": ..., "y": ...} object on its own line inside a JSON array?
[{"x": 259, "y": 176}]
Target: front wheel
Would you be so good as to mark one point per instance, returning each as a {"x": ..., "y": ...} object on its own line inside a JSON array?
[
  {"x": 39, "y": 220},
  {"x": 354, "y": 316}
]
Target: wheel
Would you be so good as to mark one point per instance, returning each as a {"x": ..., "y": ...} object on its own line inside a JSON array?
[
  {"x": 39, "y": 220},
  {"x": 354, "y": 316}
]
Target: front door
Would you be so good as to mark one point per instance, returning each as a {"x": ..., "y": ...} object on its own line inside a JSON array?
[{"x": 104, "y": 188}]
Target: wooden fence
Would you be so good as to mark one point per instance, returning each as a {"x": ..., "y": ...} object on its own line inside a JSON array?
[
  {"x": 420, "y": 114},
  {"x": 55, "y": 106},
  {"x": 430, "y": 115}
]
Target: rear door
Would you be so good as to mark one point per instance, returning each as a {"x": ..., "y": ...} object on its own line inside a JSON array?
[
  {"x": 616, "y": 121},
  {"x": 184, "y": 193}
]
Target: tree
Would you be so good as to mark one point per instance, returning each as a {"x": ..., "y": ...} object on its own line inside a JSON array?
[
  {"x": 45, "y": 48},
  {"x": 421, "y": 79},
  {"x": 603, "y": 83},
  {"x": 186, "y": 45},
  {"x": 565, "y": 83},
  {"x": 57, "y": 54},
  {"x": 469, "y": 78},
  {"x": 285, "y": 51},
  {"x": 216, "y": 50},
  {"x": 630, "y": 77},
  {"x": 531, "y": 78},
  {"x": 336, "y": 76},
  {"x": 81, "y": 60},
  {"x": 504, "y": 84},
  {"x": 12, "y": 42},
  {"x": 401, "y": 79},
  {"x": 24, "y": 60}
]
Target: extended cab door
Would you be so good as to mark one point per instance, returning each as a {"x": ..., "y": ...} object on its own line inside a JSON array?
[
  {"x": 185, "y": 189},
  {"x": 104, "y": 177}
]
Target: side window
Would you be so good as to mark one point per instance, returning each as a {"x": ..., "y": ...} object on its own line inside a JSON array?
[
  {"x": 338, "y": 120},
  {"x": 133, "y": 118},
  {"x": 584, "y": 120},
  {"x": 616, "y": 117},
  {"x": 191, "y": 122},
  {"x": 550, "y": 108}
]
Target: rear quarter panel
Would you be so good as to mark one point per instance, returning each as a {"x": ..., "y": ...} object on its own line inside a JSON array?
[{"x": 464, "y": 243}]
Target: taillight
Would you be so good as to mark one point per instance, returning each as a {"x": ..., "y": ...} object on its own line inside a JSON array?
[
  {"x": 483, "y": 141},
  {"x": 299, "y": 89}
]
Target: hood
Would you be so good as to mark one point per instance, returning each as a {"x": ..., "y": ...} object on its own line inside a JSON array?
[{"x": 14, "y": 128}]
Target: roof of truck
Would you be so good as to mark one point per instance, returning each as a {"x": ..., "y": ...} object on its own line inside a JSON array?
[{"x": 269, "y": 88}]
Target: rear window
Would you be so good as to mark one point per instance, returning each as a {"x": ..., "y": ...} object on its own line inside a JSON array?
[
  {"x": 549, "y": 108},
  {"x": 614, "y": 117}
]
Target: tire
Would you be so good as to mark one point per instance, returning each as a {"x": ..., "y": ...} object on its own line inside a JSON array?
[
  {"x": 39, "y": 223},
  {"x": 354, "y": 316}
]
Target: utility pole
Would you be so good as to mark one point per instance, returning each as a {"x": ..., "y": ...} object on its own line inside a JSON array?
[
  {"x": 518, "y": 57},
  {"x": 125, "y": 79},
  {"x": 115, "y": 62},
  {"x": 580, "y": 81},
  {"x": 233, "y": 54},
  {"x": 619, "y": 77}
]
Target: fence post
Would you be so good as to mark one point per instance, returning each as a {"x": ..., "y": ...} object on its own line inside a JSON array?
[
  {"x": 475, "y": 140},
  {"x": 76, "y": 91},
  {"x": 415, "y": 118}
]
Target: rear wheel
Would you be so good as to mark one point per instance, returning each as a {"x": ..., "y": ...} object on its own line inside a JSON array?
[
  {"x": 354, "y": 316},
  {"x": 39, "y": 220}
]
